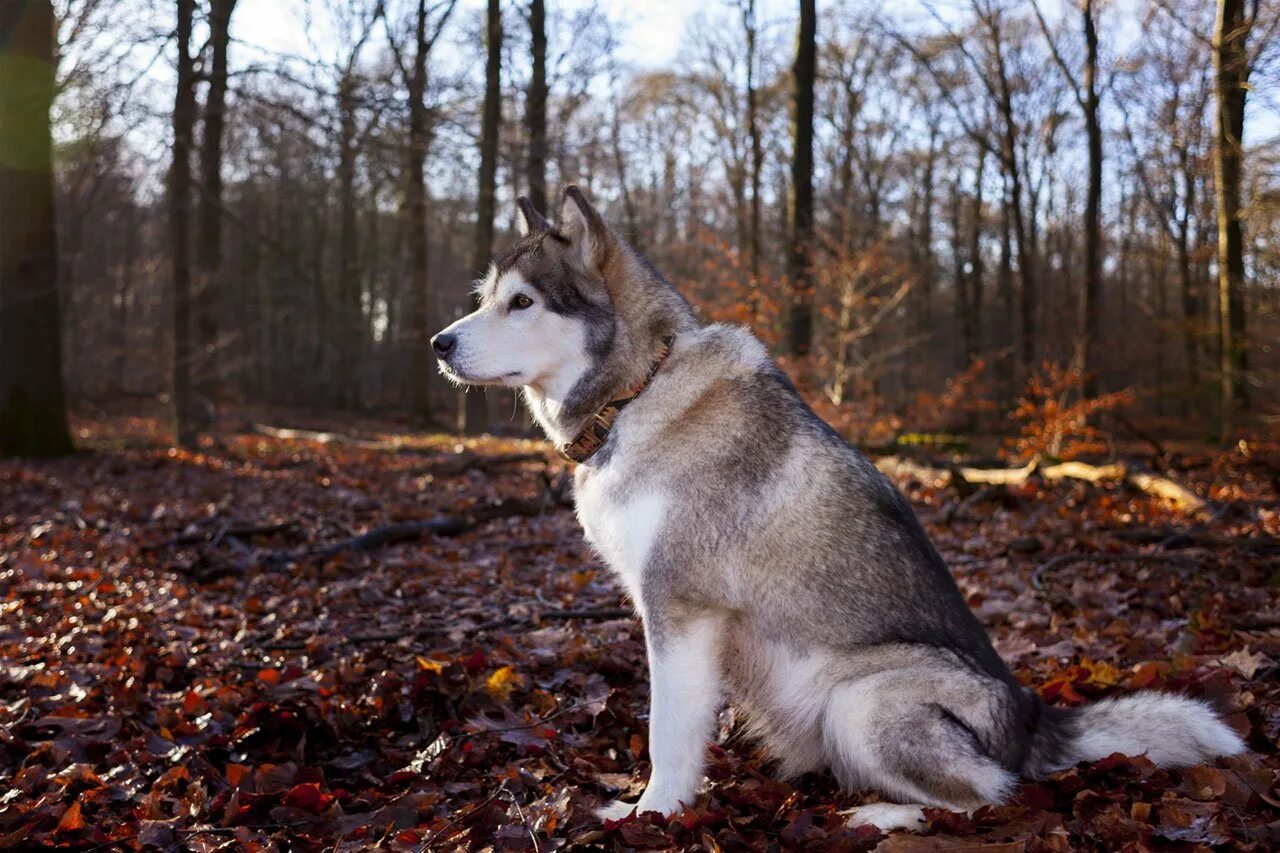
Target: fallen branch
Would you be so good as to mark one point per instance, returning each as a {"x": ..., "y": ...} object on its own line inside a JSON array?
[
  {"x": 555, "y": 497},
  {"x": 289, "y": 434},
  {"x": 461, "y": 463},
  {"x": 428, "y": 631},
  {"x": 1178, "y": 494},
  {"x": 215, "y": 534},
  {"x": 1175, "y": 538}
]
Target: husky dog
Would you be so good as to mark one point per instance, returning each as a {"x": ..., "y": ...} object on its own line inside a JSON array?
[{"x": 772, "y": 564}]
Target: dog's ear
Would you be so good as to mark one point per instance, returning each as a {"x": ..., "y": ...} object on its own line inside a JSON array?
[
  {"x": 583, "y": 228},
  {"x": 528, "y": 219}
]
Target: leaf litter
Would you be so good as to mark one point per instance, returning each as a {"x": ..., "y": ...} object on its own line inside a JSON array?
[{"x": 187, "y": 663}]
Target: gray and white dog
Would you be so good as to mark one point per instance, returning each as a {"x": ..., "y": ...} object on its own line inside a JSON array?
[{"x": 772, "y": 564}]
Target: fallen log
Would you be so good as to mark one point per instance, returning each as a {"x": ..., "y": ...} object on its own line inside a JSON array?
[
  {"x": 964, "y": 477},
  {"x": 897, "y": 466}
]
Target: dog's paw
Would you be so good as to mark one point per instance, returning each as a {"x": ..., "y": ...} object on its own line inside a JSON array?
[
  {"x": 617, "y": 810},
  {"x": 887, "y": 816}
]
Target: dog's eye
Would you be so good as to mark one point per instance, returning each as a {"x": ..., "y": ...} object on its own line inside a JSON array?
[{"x": 519, "y": 302}]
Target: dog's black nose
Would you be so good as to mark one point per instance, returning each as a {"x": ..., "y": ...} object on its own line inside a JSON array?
[{"x": 443, "y": 344}]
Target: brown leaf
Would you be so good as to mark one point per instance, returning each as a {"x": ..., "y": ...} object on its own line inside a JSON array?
[{"x": 71, "y": 819}]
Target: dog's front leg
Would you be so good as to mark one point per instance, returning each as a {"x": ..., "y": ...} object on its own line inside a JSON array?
[{"x": 685, "y": 685}]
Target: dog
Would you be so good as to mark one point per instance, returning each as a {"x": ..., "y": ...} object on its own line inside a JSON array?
[{"x": 771, "y": 563}]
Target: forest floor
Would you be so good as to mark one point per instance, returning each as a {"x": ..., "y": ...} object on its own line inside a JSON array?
[{"x": 202, "y": 652}]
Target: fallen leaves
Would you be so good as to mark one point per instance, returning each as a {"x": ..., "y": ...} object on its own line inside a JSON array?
[{"x": 489, "y": 689}]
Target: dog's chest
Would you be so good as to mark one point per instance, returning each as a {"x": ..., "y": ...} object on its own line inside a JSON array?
[{"x": 622, "y": 523}]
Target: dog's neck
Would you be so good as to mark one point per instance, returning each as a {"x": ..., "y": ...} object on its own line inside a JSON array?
[{"x": 566, "y": 402}]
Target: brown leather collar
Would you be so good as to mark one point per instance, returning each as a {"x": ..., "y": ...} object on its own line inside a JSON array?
[{"x": 596, "y": 432}]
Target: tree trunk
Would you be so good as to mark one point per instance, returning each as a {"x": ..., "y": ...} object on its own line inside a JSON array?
[
  {"x": 348, "y": 332},
  {"x": 1028, "y": 298},
  {"x": 477, "y": 409},
  {"x": 1090, "y": 309},
  {"x": 1232, "y": 76},
  {"x": 1004, "y": 276},
  {"x": 757, "y": 155},
  {"x": 422, "y": 362},
  {"x": 185, "y": 424},
  {"x": 33, "y": 420},
  {"x": 1192, "y": 304},
  {"x": 926, "y": 266},
  {"x": 973, "y": 342},
  {"x": 799, "y": 271},
  {"x": 959, "y": 286},
  {"x": 536, "y": 106},
  {"x": 209, "y": 213}
]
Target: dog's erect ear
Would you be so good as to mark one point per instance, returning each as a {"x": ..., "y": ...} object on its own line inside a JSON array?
[
  {"x": 583, "y": 227},
  {"x": 528, "y": 219}
]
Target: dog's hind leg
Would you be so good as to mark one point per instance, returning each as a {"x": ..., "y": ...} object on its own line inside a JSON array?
[
  {"x": 913, "y": 737},
  {"x": 686, "y": 676}
]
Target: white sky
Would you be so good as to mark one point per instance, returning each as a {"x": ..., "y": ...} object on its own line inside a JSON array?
[{"x": 649, "y": 31}]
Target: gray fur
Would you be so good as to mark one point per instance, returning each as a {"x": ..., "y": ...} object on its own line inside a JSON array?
[{"x": 780, "y": 550}]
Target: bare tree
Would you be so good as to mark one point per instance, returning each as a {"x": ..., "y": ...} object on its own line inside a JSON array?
[
  {"x": 1086, "y": 95},
  {"x": 185, "y": 421},
  {"x": 208, "y": 256},
  {"x": 1231, "y": 66},
  {"x": 1165, "y": 112},
  {"x": 536, "y": 107},
  {"x": 428, "y": 23},
  {"x": 751, "y": 26},
  {"x": 32, "y": 418},
  {"x": 799, "y": 267},
  {"x": 477, "y": 411}
]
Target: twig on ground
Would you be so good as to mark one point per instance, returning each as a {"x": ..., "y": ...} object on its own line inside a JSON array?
[
  {"x": 287, "y": 434},
  {"x": 596, "y": 613},
  {"x": 1038, "y": 575},
  {"x": 223, "y": 529}
]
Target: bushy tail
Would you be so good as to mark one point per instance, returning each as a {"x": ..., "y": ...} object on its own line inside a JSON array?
[{"x": 1172, "y": 731}]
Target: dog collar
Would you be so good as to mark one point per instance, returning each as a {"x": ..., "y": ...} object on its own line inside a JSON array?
[{"x": 596, "y": 432}]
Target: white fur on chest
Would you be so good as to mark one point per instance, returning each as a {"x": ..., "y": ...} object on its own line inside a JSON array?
[{"x": 621, "y": 525}]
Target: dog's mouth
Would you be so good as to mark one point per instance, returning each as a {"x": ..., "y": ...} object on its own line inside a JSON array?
[{"x": 462, "y": 377}]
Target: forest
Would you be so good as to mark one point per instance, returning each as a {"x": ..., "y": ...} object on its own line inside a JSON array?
[{"x": 269, "y": 582}]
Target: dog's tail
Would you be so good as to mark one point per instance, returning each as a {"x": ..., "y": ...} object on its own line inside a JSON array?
[{"x": 1172, "y": 731}]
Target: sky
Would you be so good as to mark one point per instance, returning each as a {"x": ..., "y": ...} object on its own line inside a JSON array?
[{"x": 650, "y": 31}]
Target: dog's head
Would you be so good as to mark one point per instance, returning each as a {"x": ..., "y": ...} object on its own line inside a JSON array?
[{"x": 545, "y": 313}]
